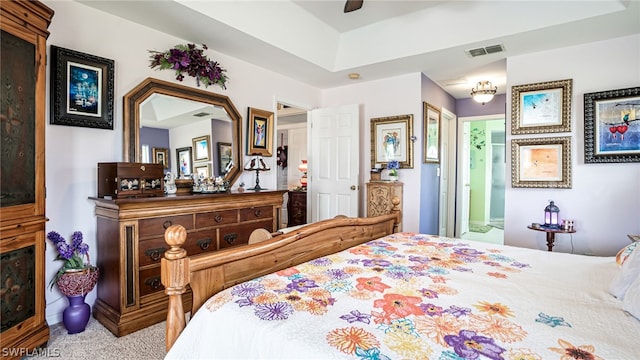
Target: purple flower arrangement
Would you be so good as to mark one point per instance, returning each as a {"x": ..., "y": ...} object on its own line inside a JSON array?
[
  {"x": 393, "y": 166},
  {"x": 72, "y": 254},
  {"x": 191, "y": 60}
]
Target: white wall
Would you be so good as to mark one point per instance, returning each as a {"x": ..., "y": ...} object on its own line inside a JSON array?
[
  {"x": 72, "y": 153},
  {"x": 394, "y": 96},
  {"x": 605, "y": 198}
]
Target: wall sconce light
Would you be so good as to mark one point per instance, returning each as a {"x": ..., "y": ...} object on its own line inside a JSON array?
[
  {"x": 303, "y": 168},
  {"x": 551, "y": 214},
  {"x": 483, "y": 92}
]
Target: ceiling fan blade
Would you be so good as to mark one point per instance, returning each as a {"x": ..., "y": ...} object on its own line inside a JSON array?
[{"x": 352, "y": 5}]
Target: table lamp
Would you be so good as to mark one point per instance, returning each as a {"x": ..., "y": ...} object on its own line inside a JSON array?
[{"x": 551, "y": 215}]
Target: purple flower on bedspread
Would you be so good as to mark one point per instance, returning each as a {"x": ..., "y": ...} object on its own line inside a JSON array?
[
  {"x": 468, "y": 252},
  {"x": 244, "y": 302},
  {"x": 356, "y": 316},
  {"x": 420, "y": 259},
  {"x": 323, "y": 261},
  {"x": 376, "y": 262},
  {"x": 249, "y": 289},
  {"x": 458, "y": 311},
  {"x": 301, "y": 285},
  {"x": 519, "y": 264},
  {"x": 370, "y": 354},
  {"x": 429, "y": 294},
  {"x": 338, "y": 274},
  {"x": 431, "y": 309},
  {"x": 469, "y": 345},
  {"x": 273, "y": 311}
]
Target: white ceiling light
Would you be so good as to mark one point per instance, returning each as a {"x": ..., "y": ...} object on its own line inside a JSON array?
[{"x": 483, "y": 92}]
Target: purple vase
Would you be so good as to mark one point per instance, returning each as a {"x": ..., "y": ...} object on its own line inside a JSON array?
[{"x": 76, "y": 316}]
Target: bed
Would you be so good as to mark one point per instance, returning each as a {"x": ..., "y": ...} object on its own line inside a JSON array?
[{"x": 352, "y": 288}]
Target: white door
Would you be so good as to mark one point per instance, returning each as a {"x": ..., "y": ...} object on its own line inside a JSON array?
[
  {"x": 447, "y": 172},
  {"x": 464, "y": 185},
  {"x": 334, "y": 162}
]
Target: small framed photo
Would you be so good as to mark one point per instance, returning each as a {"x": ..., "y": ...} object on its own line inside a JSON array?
[
  {"x": 431, "y": 128},
  {"x": 391, "y": 140},
  {"x": 184, "y": 158},
  {"x": 541, "y": 162},
  {"x": 260, "y": 132},
  {"x": 541, "y": 108},
  {"x": 201, "y": 148},
  {"x": 161, "y": 156},
  {"x": 82, "y": 89},
  {"x": 203, "y": 171},
  {"x": 224, "y": 156},
  {"x": 612, "y": 126}
]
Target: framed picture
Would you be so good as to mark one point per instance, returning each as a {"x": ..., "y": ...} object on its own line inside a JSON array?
[
  {"x": 201, "y": 148},
  {"x": 431, "y": 128},
  {"x": 612, "y": 126},
  {"x": 161, "y": 156},
  {"x": 224, "y": 156},
  {"x": 82, "y": 89},
  {"x": 203, "y": 171},
  {"x": 541, "y": 108},
  {"x": 390, "y": 140},
  {"x": 260, "y": 132},
  {"x": 541, "y": 162},
  {"x": 184, "y": 159}
]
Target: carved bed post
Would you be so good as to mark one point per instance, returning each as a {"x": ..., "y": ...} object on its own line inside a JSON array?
[
  {"x": 395, "y": 209},
  {"x": 175, "y": 277}
]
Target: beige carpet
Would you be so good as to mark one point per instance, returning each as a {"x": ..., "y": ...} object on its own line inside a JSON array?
[{"x": 97, "y": 343}]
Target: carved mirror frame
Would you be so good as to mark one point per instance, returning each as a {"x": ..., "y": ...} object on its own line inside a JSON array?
[{"x": 131, "y": 122}]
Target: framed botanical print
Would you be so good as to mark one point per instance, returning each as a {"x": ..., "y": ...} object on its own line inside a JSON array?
[
  {"x": 612, "y": 126},
  {"x": 82, "y": 89},
  {"x": 260, "y": 132},
  {"x": 431, "y": 127},
  {"x": 391, "y": 140},
  {"x": 541, "y": 162},
  {"x": 541, "y": 108}
]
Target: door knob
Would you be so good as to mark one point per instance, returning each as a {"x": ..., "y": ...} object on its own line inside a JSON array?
[{"x": 353, "y": 187}]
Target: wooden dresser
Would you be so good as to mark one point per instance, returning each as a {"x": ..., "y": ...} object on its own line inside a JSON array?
[
  {"x": 23, "y": 53},
  {"x": 379, "y": 195},
  {"x": 297, "y": 208},
  {"x": 131, "y": 244}
]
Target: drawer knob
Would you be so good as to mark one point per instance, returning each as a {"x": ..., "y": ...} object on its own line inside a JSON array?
[
  {"x": 166, "y": 224},
  {"x": 217, "y": 218},
  {"x": 257, "y": 212},
  {"x": 230, "y": 238},
  {"x": 154, "y": 282},
  {"x": 204, "y": 243},
  {"x": 155, "y": 254}
]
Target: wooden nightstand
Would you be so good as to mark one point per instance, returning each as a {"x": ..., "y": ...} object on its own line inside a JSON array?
[
  {"x": 297, "y": 208},
  {"x": 379, "y": 195}
]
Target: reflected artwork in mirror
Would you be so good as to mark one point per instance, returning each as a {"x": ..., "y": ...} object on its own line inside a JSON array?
[{"x": 158, "y": 113}]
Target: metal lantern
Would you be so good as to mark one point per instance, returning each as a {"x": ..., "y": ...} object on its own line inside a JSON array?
[{"x": 551, "y": 215}]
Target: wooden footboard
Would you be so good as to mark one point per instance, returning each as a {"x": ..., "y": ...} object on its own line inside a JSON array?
[{"x": 207, "y": 274}]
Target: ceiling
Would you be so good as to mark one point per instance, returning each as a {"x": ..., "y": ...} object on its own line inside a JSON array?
[{"x": 316, "y": 43}]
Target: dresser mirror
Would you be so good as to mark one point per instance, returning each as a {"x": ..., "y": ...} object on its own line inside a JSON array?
[{"x": 181, "y": 113}]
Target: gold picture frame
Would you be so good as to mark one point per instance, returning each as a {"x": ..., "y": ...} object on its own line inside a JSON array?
[
  {"x": 541, "y": 162},
  {"x": 161, "y": 156},
  {"x": 541, "y": 108},
  {"x": 391, "y": 139},
  {"x": 203, "y": 171},
  {"x": 201, "y": 148},
  {"x": 260, "y": 132},
  {"x": 431, "y": 127}
]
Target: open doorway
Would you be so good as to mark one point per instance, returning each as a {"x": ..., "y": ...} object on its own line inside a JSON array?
[{"x": 481, "y": 180}]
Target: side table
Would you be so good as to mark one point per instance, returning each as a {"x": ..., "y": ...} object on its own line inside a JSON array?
[
  {"x": 551, "y": 234},
  {"x": 297, "y": 208}
]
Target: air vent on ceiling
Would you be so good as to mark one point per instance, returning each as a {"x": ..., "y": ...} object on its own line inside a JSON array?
[
  {"x": 491, "y": 49},
  {"x": 201, "y": 114}
]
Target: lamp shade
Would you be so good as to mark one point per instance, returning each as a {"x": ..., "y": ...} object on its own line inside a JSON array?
[
  {"x": 551, "y": 214},
  {"x": 303, "y": 167},
  {"x": 483, "y": 92}
]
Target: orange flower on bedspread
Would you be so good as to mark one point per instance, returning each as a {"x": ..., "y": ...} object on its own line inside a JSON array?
[
  {"x": 436, "y": 327},
  {"x": 371, "y": 284},
  {"x": 219, "y": 299},
  {"x": 407, "y": 345},
  {"x": 494, "y": 309},
  {"x": 522, "y": 354},
  {"x": 497, "y": 275},
  {"x": 398, "y": 306},
  {"x": 570, "y": 352},
  {"x": 347, "y": 339},
  {"x": 288, "y": 272},
  {"x": 497, "y": 328}
]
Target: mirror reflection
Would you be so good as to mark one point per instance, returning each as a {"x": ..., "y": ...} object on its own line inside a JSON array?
[{"x": 191, "y": 131}]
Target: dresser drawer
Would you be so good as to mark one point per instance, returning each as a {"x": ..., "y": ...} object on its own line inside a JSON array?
[
  {"x": 151, "y": 251},
  {"x": 149, "y": 281},
  {"x": 157, "y": 226},
  {"x": 216, "y": 218},
  {"x": 239, "y": 235},
  {"x": 256, "y": 213}
]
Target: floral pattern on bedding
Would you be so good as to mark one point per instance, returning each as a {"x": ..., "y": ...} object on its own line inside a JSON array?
[{"x": 407, "y": 298}]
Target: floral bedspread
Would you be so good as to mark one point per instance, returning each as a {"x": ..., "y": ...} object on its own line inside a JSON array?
[{"x": 415, "y": 296}]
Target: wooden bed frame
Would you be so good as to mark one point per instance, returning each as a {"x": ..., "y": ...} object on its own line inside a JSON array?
[{"x": 207, "y": 274}]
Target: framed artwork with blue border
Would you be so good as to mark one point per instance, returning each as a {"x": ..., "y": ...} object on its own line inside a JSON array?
[
  {"x": 541, "y": 108},
  {"x": 82, "y": 89},
  {"x": 612, "y": 126}
]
